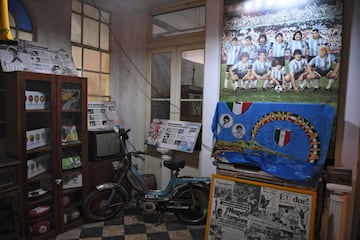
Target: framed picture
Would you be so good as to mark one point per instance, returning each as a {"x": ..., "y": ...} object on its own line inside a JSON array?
[
  {"x": 274, "y": 31},
  {"x": 245, "y": 209},
  {"x": 258, "y": 36}
]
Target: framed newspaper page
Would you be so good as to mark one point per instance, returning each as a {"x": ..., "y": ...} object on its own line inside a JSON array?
[{"x": 245, "y": 209}]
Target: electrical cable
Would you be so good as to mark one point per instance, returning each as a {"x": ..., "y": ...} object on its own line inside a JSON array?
[{"x": 138, "y": 70}]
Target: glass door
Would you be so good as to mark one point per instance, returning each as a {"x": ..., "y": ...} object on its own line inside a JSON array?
[
  {"x": 176, "y": 76},
  {"x": 73, "y": 151}
]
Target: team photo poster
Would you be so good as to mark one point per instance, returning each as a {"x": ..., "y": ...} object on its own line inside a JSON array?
[{"x": 281, "y": 51}]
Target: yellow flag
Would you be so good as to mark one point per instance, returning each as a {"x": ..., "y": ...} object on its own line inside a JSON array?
[{"x": 5, "y": 33}]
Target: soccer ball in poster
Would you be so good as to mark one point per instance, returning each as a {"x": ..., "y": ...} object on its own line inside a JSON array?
[{"x": 278, "y": 89}]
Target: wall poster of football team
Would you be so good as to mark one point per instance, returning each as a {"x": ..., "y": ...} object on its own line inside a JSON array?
[{"x": 281, "y": 51}]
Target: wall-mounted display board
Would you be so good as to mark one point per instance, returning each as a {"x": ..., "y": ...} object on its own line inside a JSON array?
[
  {"x": 245, "y": 209},
  {"x": 102, "y": 115}
]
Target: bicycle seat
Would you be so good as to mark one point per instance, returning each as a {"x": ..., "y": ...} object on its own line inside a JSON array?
[{"x": 175, "y": 164}]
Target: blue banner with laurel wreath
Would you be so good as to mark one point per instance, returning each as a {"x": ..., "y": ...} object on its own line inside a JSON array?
[{"x": 287, "y": 140}]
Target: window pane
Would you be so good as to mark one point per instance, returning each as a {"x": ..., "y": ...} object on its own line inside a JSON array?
[
  {"x": 192, "y": 74},
  {"x": 93, "y": 82},
  {"x": 12, "y": 20},
  {"x": 13, "y": 32},
  {"x": 105, "y": 62},
  {"x": 91, "y": 60},
  {"x": 160, "y": 75},
  {"x": 25, "y": 36},
  {"x": 77, "y": 56},
  {"x": 104, "y": 36},
  {"x": 179, "y": 22},
  {"x": 91, "y": 11},
  {"x": 91, "y": 32},
  {"x": 76, "y": 6},
  {"x": 105, "y": 83},
  {"x": 191, "y": 111},
  {"x": 76, "y": 28},
  {"x": 160, "y": 109},
  {"x": 105, "y": 17}
]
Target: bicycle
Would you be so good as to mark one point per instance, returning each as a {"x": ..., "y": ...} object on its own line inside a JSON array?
[{"x": 186, "y": 197}]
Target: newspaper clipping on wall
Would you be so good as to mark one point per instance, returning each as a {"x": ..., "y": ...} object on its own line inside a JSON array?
[
  {"x": 23, "y": 55},
  {"x": 240, "y": 210},
  {"x": 175, "y": 135}
]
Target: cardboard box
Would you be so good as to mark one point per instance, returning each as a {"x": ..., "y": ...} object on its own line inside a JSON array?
[
  {"x": 37, "y": 138},
  {"x": 36, "y": 166},
  {"x": 35, "y": 100}
]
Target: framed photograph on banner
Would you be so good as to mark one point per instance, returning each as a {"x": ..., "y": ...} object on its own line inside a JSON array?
[{"x": 245, "y": 209}]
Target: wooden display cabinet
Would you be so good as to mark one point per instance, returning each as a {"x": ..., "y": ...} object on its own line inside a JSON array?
[
  {"x": 10, "y": 199},
  {"x": 100, "y": 172},
  {"x": 2, "y": 113},
  {"x": 46, "y": 130}
]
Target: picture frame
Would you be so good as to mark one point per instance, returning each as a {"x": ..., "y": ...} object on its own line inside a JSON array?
[
  {"x": 246, "y": 209},
  {"x": 250, "y": 20}
]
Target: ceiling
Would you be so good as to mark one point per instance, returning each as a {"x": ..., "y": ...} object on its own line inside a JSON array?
[
  {"x": 168, "y": 24},
  {"x": 110, "y": 5}
]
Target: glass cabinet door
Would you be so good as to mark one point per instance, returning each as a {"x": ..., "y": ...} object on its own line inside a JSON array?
[
  {"x": 73, "y": 151},
  {"x": 40, "y": 152}
]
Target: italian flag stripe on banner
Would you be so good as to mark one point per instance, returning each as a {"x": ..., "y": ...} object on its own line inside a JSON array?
[
  {"x": 240, "y": 107},
  {"x": 282, "y": 136}
]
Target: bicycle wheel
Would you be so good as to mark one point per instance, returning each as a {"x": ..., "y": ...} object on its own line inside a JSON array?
[
  {"x": 199, "y": 213},
  {"x": 96, "y": 208}
]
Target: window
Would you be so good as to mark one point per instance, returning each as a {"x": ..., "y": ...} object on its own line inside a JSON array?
[
  {"x": 178, "y": 22},
  {"x": 90, "y": 37},
  {"x": 20, "y": 21}
]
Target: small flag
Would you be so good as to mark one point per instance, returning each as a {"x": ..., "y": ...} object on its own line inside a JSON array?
[{"x": 282, "y": 136}]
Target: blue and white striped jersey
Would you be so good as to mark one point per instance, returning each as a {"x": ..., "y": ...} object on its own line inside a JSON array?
[
  {"x": 278, "y": 74},
  {"x": 241, "y": 67},
  {"x": 314, "y": 45},
  {"x": 324, "y": 63},
  {"x": 251, "y": 50},
  {"x": 261, "y": 67},
  {"x": 296, "y": 66},
  {"x": 233, "y": 53},
  {"x": 302, "y": 45},
  {"x": 278, "y": 49}
]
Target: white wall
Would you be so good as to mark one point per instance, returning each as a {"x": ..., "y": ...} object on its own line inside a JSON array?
[
  {"x": 51, "y": 21},
  {"x": 128, "y": 66},
  {"x": 211, "y": 81},
  {"x": 350, "y": 145}
]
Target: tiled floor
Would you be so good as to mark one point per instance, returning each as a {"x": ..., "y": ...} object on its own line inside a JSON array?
[{"x": 131, "y": 224}]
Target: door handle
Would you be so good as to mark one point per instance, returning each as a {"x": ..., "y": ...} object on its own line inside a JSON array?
[{"x": 58, "y": 181}]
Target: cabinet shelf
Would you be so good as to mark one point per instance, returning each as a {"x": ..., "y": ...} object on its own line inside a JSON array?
[
  {"x": 46, "y": 148},
  {"x": 41, "y": 176},
  {"x": 71, "y": 144},
  {"x": 71, "y": 110},
  {"x": 38, "y": 111}
]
